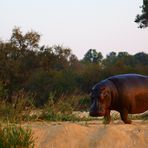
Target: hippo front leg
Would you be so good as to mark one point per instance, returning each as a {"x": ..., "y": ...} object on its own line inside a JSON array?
[
  {"x": 107, "y": 117},
  {"x": 124, "y": 116}
]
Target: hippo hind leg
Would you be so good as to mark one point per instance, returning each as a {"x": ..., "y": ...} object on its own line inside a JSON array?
[{"x": 124, "y": 116}]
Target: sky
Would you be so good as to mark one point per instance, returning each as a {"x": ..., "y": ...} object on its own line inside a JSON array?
[{"x": 104, "y": 25}]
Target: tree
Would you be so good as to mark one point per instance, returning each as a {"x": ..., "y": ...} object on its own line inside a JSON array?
[
  {"x": 28, "y": 41},
  {"x": 142, "y": 19},
  {"x": 92, "y": 56},
  {"x": 110, "y": 59},
  {"x": 141, "y": 58},
  {"x": 123, "y": 54}
]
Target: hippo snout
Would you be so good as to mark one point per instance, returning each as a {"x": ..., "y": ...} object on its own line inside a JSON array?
[
  {"x": 96, "y": 114},
  {"x": 93, "y": 111},
  {"x": 93, "y": 114},
  {"x": 97, "y": 110}
]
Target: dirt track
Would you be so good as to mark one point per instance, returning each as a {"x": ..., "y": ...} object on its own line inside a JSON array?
[{"x": 91, "y": 134}]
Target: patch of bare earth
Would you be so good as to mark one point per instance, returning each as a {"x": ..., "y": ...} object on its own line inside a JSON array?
[{"x": 92, "y": 134}]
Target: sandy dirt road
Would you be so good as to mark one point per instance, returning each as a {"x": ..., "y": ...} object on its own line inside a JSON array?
[{"x": 92, "y": 134}]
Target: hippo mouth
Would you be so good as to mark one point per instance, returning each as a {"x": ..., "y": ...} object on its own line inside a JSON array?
[{"x": 98, "y": 114}]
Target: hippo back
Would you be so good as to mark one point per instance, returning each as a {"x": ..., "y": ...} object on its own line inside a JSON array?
[{"x": 129, "y": 81}]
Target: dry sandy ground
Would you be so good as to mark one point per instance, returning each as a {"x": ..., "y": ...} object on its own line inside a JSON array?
[{"x": 92, "y": 134}]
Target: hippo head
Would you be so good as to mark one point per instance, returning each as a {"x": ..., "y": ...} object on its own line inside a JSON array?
[{"x": 100, "y": 101}]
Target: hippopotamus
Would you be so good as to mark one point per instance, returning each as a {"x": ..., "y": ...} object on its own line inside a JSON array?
[{"x": 125, "y": 93}]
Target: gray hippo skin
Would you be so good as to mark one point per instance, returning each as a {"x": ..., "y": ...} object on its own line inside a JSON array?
[{"x": 127, "y": 93}]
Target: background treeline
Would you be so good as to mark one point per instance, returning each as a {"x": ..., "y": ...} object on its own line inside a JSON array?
[{"x": 41, "y": 71}]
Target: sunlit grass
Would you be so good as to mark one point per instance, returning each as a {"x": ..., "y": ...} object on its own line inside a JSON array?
[{"x": 13, "y": 136}]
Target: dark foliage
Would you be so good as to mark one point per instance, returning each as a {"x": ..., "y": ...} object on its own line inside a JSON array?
[{"x": 40, "y": 71}]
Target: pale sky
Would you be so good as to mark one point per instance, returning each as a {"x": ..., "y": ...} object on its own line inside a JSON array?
[{"x": 104, "y": 25}]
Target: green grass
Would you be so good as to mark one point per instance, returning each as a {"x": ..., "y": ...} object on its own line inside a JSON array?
[
  {"x": 50, "y": 116},
  {"x": 12, "y": 136}
]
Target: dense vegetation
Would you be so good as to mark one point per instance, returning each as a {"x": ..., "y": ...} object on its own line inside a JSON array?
[{"x": 35, "y": 72}]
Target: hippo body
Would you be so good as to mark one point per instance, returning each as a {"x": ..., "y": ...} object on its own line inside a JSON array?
[{"x": 127, "y": 93}]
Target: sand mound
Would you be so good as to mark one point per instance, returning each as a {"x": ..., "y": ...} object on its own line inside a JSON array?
[{"x": 90, "y": 135}]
